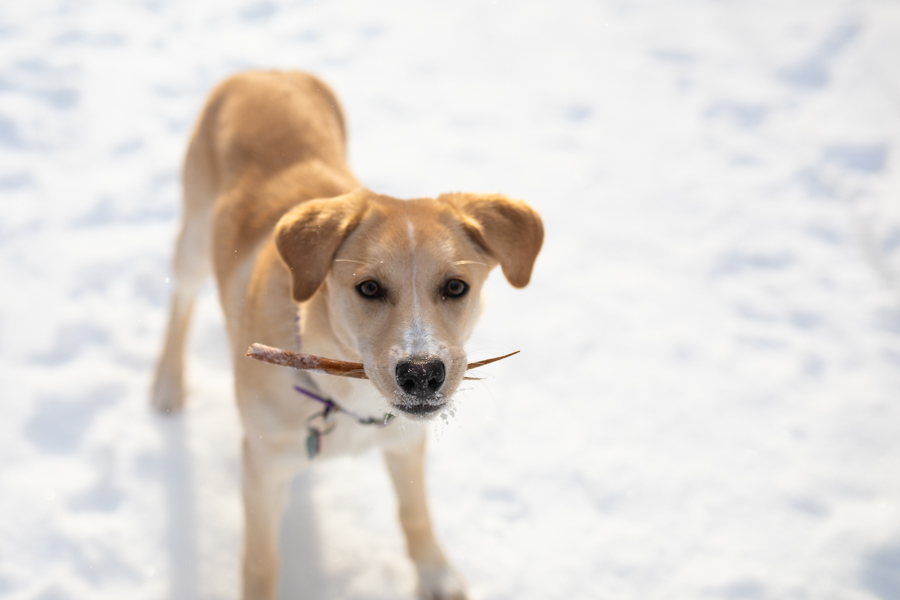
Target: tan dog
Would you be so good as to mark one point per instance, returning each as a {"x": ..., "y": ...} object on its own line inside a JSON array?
[{"x": 271, "y": 206}]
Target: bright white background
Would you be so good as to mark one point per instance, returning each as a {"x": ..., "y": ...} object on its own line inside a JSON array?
[{"x": 706, "y": 404}]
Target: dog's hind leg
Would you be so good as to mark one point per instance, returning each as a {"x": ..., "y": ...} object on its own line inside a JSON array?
[
  {"x": 191, "y": 266},
  {"x": 437, "y": 580}
]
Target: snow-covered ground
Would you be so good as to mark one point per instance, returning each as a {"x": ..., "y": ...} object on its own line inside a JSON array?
[{"x": 706, "y": 405}]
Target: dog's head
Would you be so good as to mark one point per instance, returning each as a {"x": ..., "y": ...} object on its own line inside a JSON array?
[{"x": 399, "y": 281}]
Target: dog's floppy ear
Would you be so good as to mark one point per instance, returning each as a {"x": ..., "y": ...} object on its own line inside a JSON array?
[
  {"x": 509, "y": 230},
  {"x": 309, "y": 235}
]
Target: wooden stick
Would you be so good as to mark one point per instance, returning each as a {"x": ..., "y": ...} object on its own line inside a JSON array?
[
  {"x": 329, "y": 366},
  {"x": 306, "y": 362},
  {"x": 488, "y": 361}
]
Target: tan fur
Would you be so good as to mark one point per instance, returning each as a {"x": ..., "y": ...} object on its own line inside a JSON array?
[{"x": 272, "y": 209}]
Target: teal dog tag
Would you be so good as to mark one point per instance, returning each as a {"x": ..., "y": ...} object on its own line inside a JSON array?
[{"x": 313, "y": 442}]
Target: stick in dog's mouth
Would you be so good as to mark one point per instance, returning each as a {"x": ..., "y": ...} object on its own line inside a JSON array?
[{"x": 329, "y": 366}]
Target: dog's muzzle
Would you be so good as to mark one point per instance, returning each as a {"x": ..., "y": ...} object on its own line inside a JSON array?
[{"x": 421, "y": 380}]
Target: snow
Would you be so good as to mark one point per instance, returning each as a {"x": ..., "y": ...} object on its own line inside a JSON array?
[{"x": 705, "y": 405}]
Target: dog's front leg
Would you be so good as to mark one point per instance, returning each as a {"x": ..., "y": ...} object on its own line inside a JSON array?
[
  {"x": 437, "y": 580},
  {"x": 265, "y": 487}
]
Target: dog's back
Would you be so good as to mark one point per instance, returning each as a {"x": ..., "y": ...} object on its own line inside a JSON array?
[{"x": 265, "y": 142}]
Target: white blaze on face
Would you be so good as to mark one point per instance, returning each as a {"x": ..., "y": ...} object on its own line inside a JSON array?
[{"x": 417, "y": 338}]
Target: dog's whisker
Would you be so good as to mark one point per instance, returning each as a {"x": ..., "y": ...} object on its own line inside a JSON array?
[
  {"x": 469, "y": 262},
  {"x": 360, "y": 262}
]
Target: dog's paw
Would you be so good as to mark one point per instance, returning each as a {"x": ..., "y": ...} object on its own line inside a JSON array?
[
  {"x": 439, "y": 582},
  {"x": 167, "y": 395}
]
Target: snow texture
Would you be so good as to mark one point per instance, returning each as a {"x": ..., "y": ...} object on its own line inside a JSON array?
[{"x": 706, "y": 404}]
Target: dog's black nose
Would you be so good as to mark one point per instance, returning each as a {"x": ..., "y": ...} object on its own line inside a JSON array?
[{"x": 421, "y": 377}]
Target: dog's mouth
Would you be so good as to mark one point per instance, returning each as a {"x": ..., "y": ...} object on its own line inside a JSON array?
[{"x": 420, "y": 410}]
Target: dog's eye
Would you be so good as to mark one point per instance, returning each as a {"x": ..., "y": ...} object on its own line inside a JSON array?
[
  {"x": 370, "y": 289},
  {"x": 456, "y": 288}
]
